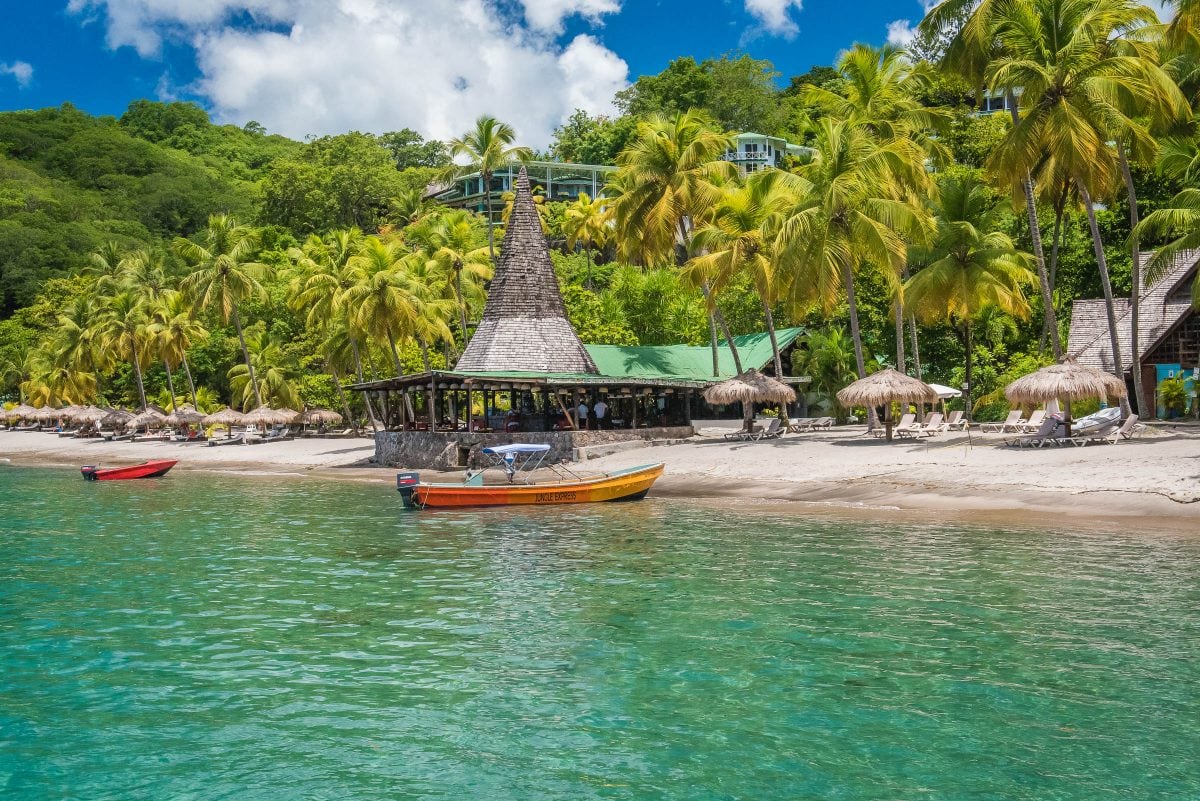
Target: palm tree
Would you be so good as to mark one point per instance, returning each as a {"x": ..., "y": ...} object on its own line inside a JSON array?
[
  {"x": 588, "y": 222},
  {"x": 968, "y": 29},
  {"x": 175, "y": 329},
  {"x": 969, "y": 267},
  {"x": 277, "y": 372},
  {"x": 449, "y": 246},
  {"x": 381, "y": 303},
  {"x": 487, "y": 149},
  {"x": 667, "y": 180},
  {"x": 1079, "y": 66},
  {"x": 223, "y": 274},
  {"x": 739, "y": 239},
  {"x": 1180, "y": 220},
  {"x": 856, "y": 212},
  {"x": 124, "y": 329}
]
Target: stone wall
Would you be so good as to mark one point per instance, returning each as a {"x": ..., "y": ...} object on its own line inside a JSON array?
[{"x": 436, "y": 450}]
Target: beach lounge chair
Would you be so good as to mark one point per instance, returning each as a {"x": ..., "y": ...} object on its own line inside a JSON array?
[
  {"x": 1046, "y": 433},
  {"x": 774, "y": 430},
  {"x": 824, "y": 422},
  {"x": 799, "y": 424},
  {"x": 1033, "y": 423},
  {"x": 905, "y": 423},
  {"x": 741, "y": 435},
  {"x": 1011, "y": 423},
  {"x": 956, "y": 421},
  {"x": 238, "y": 440},
  {"x": 1112, "y": 434},
  {"x": 908, "y": 427},
  {"x": 934, "y": 425}
]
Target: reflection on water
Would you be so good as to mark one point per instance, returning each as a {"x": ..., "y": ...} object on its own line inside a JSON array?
[{"x": 211, "y": 637}]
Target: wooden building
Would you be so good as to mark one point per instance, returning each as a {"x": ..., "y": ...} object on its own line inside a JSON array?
[{"x": 1168, "y": 329}]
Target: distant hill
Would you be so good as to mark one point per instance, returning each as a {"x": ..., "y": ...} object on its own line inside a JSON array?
[{"x": 70, "y": 181}]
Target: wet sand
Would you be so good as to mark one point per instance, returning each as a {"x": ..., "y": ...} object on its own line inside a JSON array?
[{"x": 1150, "y": 481}]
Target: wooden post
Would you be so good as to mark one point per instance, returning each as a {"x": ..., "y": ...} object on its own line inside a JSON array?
[
  {"x": 470, "y": 411},
  {"x": 431, "y": 396}
]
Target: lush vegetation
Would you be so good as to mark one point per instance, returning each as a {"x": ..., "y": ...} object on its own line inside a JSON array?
[{"x": 161, "y": 258}]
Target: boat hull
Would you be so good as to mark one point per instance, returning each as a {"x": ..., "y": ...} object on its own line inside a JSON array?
[
  {"x": 144, "y": 470},
  {"x": 629, "y": 485}
]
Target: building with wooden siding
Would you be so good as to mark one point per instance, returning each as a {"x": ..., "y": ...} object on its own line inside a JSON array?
[{"x": 1168, "y": 329}]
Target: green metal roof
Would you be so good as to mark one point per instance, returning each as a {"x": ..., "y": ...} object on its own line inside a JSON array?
[
  {"x": 687, "y": 366},
  {"x": 687, "y": 362}
]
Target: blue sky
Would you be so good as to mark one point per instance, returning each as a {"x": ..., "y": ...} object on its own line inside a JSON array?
[{"x": 324, "y": 66}]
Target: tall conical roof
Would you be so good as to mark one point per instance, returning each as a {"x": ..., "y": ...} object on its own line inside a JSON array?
[{"x": 524, "y": 325}]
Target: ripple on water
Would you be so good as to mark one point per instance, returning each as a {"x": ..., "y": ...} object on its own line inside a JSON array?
[{"x": 212, "y": 637}]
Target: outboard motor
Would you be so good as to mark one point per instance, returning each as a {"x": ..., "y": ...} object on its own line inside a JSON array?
[
  {"x": 406, "y": 485},
  {"x": 89, "y": 472}
]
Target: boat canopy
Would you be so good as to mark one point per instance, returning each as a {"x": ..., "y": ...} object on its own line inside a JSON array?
[{"x": 518, "y": 447}]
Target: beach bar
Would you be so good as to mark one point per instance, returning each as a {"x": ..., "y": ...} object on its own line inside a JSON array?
[{"x": 525, "y": 375}]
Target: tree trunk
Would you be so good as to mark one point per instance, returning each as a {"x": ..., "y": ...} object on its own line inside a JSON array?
[
  {"x": 770, "y": 319},
  {"x": 337, "y": 383},
  {"x": 462, "y": 307},
  {"x": 1106, "y": 284},
  {"x": 1059, "y": 210},
  {"x": 137, "y": 371},
  {"x": 898, "y": 309},
  {"x": 733, "y": 351},
  {"x": 191, "y": 384},
  {"x": 424, "y": 355},
  {"x": 1135, "y": 295},
  {"x": 366, "y": 395},
  {"x": 1035, "y": 235},
  {"x": 237, "y": 322},
  {"x": 170, "y": 384},
  {"x": 968, "y": 406},
  {"x": 712, "y": 336},
  {"x": 860, "y": 363},
  {"x": 395, "y": 353},
  {"x": 487, "y": 200},
  {"x": 588, "y": 280},
  {"x": 912, "y": 330}
]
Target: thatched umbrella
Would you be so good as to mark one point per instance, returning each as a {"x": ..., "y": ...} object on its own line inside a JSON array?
[
  {"x": 749, "y": 388},
  {"x": 45, "y": 414},
  {"x": 1066, "y": 381},
  {"x": 266, "y": 416},
  {"x": 184, "y": 415},
  {"x": 884, "y": 388},
  {"x": 89, "y": 414},
  {"x": 70, "y": 412},
  {"x": 316, "y": 416},
  {"x": 148, "y": 417},
  {"x": 227, "y": 417},
  {"x": 117, "y": 418},
  {"x": 22, "y": 412}
]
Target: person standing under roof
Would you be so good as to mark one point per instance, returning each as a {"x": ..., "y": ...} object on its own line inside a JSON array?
[
  {"x": 581, "y": 415},
  {"x": 600, "y": 409}
]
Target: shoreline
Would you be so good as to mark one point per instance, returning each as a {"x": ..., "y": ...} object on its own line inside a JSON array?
[{"x": 1149, "y": 482}]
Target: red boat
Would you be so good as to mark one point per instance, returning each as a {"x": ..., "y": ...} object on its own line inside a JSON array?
[{"x": 145, "y": 470}]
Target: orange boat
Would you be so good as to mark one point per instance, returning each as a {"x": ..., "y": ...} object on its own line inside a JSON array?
[{"x": 630, "y": 484}]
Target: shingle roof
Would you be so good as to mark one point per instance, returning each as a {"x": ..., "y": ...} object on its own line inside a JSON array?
[
  {"x": 524, "y": 325},
  {"x": 1163, "y": 305}
]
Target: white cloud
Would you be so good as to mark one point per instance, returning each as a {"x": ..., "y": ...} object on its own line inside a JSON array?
[
  {"x": 548, "y": 15},
  {"x": 21, "y": 71},
  {"x": 900, "y": 32},
  {"x": 775, "y": 15},
  {"x": 328, "y": 66}
]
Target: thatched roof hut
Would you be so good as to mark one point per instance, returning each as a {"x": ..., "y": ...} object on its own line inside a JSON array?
[
  {"x": 884, "y": 388},
  {"x": 89, "y": 414},
  {"x": 749, "y": 388},
  {"x": 524, "y": 325},
  {"x": 1066, "y": 381}
]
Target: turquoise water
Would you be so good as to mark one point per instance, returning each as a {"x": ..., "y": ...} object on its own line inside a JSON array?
[{"x": 203, "y": 637}]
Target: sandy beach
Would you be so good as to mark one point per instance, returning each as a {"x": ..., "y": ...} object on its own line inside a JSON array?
[{"x": 1155, "y": 476}]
